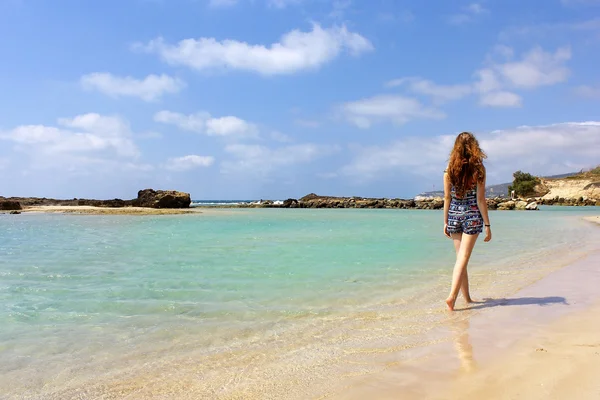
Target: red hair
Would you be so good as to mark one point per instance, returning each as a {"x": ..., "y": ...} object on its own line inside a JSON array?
[{"x": 465, "y": 167}]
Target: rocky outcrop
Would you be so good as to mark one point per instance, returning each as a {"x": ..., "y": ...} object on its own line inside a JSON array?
[
  {"x": 573, "y": 188},
  {"x": 532, "y": 206},
  {"x": 162, "y": 199},
  {"x": 291, "y": 203},
  {"x": 10, "y": 205},
  {"x": 146, "y": 198},
  {"x": 507, "y": 205},
  {"x": 521, "y": 205}
]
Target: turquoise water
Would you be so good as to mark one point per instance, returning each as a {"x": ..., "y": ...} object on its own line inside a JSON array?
[{"x": 107, "y": 302}]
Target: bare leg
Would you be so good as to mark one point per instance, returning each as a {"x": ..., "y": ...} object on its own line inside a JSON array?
[
  {"x": 464, "y": 280},
  {"x": 467, "y": 244}
]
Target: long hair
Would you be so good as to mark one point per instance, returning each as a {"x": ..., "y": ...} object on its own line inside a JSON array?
[{"x": 465, "y": 167}]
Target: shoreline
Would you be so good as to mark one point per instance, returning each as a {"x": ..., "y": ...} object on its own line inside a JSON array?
[
  {"x": 93, "y": 210},
  {"x": 546, "y": 347},
  {"x": 211, "y": 210},
  {"x": 466, "y": 345}
]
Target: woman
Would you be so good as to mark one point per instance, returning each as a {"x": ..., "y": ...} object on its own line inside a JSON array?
[{"x": 465, "y": 208}]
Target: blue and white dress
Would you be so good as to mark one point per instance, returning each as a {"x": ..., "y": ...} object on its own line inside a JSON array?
[{"x": 464, "y": 215}]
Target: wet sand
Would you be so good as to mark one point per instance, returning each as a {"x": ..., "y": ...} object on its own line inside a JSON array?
[
  {"x": 90, "y": 210},
  {"x": 541, "y": 343}
]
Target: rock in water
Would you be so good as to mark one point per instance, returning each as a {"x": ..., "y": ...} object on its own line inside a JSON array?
[
  {"x": 507, "y": 205},
  {"x": 290, "y": 203},
  {"x": 521, "y": 205},
  {"x": 10, "y": 205},
  {"x": 532, "y": 206},
  {"x": 162, "y": 199}
]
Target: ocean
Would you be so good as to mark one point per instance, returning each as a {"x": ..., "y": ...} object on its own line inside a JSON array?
[{"x": 244, "y": 303}]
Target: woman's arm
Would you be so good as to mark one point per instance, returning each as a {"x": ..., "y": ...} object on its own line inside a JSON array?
[
  {"x": 483, "y": 208},
  {"x": 447, "y": 200}
]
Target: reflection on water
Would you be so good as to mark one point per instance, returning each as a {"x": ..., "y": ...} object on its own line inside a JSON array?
[{"x": 462, "y": 344}]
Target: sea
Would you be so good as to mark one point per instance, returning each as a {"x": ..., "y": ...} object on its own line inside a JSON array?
[{"x": 245, "y": 303}]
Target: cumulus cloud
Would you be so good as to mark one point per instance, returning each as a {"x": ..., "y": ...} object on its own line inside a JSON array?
[
  {"x": 468, "y": 14},
  {"x": 439, "y": 93},
  {"x": 260, "y": 160},
  {"x": 500, "y": 99},
  {"x": 296, "y": 51},
  {"x": 148, "y": 89},
  {"x": 186, "y": 163},
  {"x": 78, "y": 145},
  {"x": 393, "y": 108},
  {"x": 497, "y": 83},
  {"x": 541, "y": 150},
  {"x": 203, "y": 122},
  {"x": 536, "y": 68},
  {"x": 85, "y": 133}
]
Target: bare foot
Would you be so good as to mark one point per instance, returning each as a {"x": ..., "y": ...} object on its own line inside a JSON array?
[{"x": 450, "y": 303}]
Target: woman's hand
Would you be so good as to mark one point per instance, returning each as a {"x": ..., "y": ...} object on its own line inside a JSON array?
[
  {"x": 488, "y": 234},
  {"x": 446, "y": 231}
]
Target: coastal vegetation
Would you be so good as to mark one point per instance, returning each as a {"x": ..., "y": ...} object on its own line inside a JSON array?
[{"x": 524, "y": 184}]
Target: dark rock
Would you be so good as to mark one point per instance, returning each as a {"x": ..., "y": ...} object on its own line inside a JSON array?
[
  {"x": 290, "y": 203},
  {"x": 8, "y": 205},
  {"x": 162, "y": 199},
  {"x": 15, "y": 212}
]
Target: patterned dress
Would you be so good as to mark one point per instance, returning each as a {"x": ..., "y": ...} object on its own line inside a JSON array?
[{"x": 464, "y": 215}]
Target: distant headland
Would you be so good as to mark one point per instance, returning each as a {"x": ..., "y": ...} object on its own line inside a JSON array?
[{"x": 581, "y": 189}]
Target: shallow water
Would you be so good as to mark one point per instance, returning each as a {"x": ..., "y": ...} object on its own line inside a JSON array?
[{"x": 261, "y": 302}]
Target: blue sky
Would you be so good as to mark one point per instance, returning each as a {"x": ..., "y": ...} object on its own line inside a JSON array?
[{"x": 245, "y": 99}]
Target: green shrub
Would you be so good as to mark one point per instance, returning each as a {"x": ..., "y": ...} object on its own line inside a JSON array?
[{"x": 523, "y": 183}]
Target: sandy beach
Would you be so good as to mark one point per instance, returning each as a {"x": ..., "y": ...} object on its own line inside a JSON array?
[
  {"x": 547, "y": 347},
  {"x": 90, "y": 210}
]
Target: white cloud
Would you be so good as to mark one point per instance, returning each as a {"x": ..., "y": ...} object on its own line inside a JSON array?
[
  {"x": 476, "y": 8},
  {"x": 439, "y": 93},
  {"x": 495, "y": 84},
  {"x": 149, "y": 89},
  {"x": 282, "y": 3},
  {"x": 469, "y": 14},
  {"x": 296, "y": 51},
  {"x": 281, "y": 137},
  {"x": 202, "y": 122},
  {"x": 86, "y": 133},
  {"x": 500, "y": 99},
  {"x": 542, "y": 150},
  {"x": 397, "y": 109},
  {"x": 260, "y": 160},
  {"x": 186, "y": 163},
  {"x": 487, "y": 81},
  {"x": 537, "y": 68},
  {"x": 417, "y": 155},
  {"x": 4, "y": 162},
  {"x": 307, "y": 123},
  {"x": 222, "y": 3},
  {"x": 81, "y": 145},
  {"x": 592, "y": 92}
]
